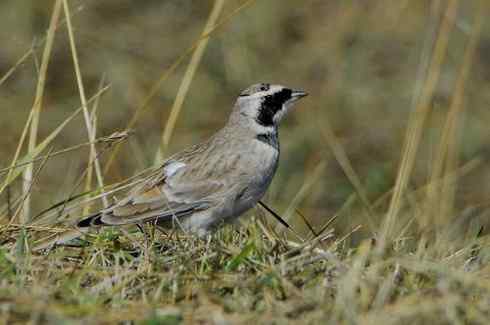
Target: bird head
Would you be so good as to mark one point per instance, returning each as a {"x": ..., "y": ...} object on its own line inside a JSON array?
[{"x": 267, "y": 104}]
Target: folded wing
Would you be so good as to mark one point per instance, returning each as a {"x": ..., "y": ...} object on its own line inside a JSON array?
[{"x": 163, "y": 197}]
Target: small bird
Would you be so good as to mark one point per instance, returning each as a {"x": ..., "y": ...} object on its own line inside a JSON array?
[{"x": 216, "y": 181}]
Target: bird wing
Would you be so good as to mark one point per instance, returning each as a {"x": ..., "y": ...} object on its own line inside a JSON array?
[{"x": 163, "y": 196}]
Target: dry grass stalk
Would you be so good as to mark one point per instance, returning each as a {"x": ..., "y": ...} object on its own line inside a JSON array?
[
  {"x": 20, "y": 164},
  {"x": 451, "y": 134},
  {"x": 93, "y": 158},
  {"x": 36, "y": 108},
  {"x": 344, "y": 162},
  {"x": 302, "y": 192},
  {"x": 187, "y": 79},
  {"x": 26, "y": 194},
  {"x": 167, "y": 73},
  {"x": 107, "y": 140},
  {"x": 417, "y": 120},
  {"x": 83, "y": 99},
  {"x": 29, "y": 53}
]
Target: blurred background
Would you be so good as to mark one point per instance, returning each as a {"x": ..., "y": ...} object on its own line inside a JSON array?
[{"x": 361, "y": 62}]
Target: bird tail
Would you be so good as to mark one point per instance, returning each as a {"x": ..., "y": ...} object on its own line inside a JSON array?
[
  {"x": 91, "y": 221},
  {"x": 65, "y": 237},
  {"x": 62, "y": 238}
]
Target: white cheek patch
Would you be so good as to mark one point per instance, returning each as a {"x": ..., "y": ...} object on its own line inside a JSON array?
[
  {"x": 284, "y": 110},
  {"x": 172, "y": 168},
  {"x": 280, "y": 113}
]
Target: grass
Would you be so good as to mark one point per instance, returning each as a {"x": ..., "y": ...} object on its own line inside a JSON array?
[
  {"x": 241, "y": 276},
  {"x": 410, "y": 252}
]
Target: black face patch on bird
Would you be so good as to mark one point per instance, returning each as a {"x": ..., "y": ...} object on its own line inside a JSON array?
[{"x": 271, "y": 104}]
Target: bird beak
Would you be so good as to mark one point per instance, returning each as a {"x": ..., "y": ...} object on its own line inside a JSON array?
[{"x": 297, "y": 94}]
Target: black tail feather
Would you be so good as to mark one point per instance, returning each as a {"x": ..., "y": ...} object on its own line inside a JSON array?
[{"x": 92, "y": 220}]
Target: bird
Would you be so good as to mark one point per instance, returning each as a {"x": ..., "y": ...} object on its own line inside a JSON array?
[{"x": 216, "y": 181}]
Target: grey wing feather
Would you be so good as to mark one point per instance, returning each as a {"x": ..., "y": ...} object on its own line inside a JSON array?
[
  {"x": 165, "y": 196},
  {"x": 162, "y": 214}
]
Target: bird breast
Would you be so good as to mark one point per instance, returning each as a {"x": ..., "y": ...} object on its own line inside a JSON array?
[{"x": 258, "y": 166}]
